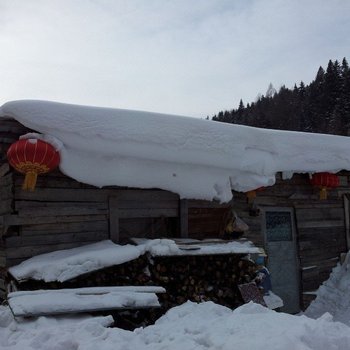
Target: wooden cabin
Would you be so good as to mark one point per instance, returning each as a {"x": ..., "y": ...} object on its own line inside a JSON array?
[{"x": 303, "y": 236}]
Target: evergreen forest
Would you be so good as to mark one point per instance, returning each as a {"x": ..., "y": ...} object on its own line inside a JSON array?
[{"x": 323, "y": 106}]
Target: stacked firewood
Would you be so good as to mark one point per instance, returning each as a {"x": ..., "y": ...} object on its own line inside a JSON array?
[
  {"x": 196, "y": 278},
  {"x": 201, "y": 278}
]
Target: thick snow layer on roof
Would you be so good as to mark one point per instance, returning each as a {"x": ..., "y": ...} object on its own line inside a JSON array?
[
  {"x": 333, "y": 295},
  {"x": 186, "y": 327},
  {"x": 66, "y": 264},
  {"x": 192, "y": 157}
]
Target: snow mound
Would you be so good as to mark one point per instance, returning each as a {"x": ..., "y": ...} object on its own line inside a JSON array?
[
  {"x": 192, "y": 157},
  {"x": 333, "y": 295},
  {"x": 187, "y": 327}
]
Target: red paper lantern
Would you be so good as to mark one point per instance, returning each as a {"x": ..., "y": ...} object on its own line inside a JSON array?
[
  {"x": 32, "y": 157},
  {"x": 323, "y": 181},
  {"x": 252, "y": 194}
]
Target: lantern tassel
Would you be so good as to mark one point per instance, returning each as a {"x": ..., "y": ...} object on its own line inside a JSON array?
[
  {"x": 323, "y": 193},
  {"x": 251, "y": 195},
  {"x": 30, "y": 181}
]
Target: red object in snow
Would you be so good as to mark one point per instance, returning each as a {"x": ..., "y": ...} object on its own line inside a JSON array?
[
  {"x": 323, "y": 181},
  {"x": 32, "y": 157}
]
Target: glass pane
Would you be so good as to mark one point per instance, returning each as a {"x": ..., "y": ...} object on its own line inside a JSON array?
[{"x": 278, "y": 226}]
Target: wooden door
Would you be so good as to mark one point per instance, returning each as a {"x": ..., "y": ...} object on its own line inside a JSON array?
[{"x": 280, "y": 244}]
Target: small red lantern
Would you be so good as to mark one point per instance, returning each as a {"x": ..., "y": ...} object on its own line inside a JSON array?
[
  {"x": 32, "y": 157},
  {"x": 323, "y": 181},
  {"x": 251, "y": 195}
]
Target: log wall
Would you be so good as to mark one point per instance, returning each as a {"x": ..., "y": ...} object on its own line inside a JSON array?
[{"x": 9, "y": 131}]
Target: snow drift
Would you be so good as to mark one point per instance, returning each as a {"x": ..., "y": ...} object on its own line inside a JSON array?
[
  {"x": 187, "y": 327},
  {"x": 333, "y": 295}
]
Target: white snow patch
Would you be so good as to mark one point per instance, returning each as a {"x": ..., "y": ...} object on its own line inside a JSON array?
[
  {"x": 192, "y": 157},
  {"x": 187, "y": 327},
  {"x": 333, "y": 295},
  {"x": 63, "y": 265},
  {"x": 64, "y": 301}
]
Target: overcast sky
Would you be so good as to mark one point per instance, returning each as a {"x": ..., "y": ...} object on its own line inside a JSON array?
[{"x": 188, "y": 57}]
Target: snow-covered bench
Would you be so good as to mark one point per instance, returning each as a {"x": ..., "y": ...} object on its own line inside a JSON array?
[{"x": 65, "y": 301}]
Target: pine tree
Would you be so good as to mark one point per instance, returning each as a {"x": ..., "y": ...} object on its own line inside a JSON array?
[
  {"x": 343, "y": 105},
  {"x": 322, "y": 106}
]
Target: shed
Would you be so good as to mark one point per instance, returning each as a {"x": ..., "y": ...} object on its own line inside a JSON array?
[{"x": 130, "y": 174}]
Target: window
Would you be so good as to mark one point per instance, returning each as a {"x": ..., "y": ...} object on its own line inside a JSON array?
[{"x": 278, "y": 226}]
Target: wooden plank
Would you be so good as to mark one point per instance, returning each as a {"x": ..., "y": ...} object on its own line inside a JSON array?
[
  {"x": 67, "y": 227},
  {"x": 322, "y": 233},
  {"x": 15, "y": 220},
  {"x": 47, "y": 181},
  {"x": 144, "y": 195},
  {"x": 3, "y": 294},
  {"x": 320, "y": 204},
  {"x": 147, "y": 204},
  {"x": 27, "y": 241},
  {"x": 318, "y": 257},
  {"x": 183, "y": 218},
  {"x": 4, "y": 169},
  {"x": 6, "y": 192},
  {"x": 19, "y": 205},
  {"x": 347, "y": 220},
  {"x": 98, "y": 195},
  {"x": 3, "y": 261},
  {"x": 5, "y": 206},
  {"x": 28, "y": 252},
  {"x": 321, "y": 223},
  {"x": 320, "y": 244},
  {"x": 113, "y": 219},
  {"x": 6, "y": 180},
  {"x": 206, "y": 204},
  {"x": 63, "y": 195},
  {"x": 312, "y": 214},
  {"x": 58, "y": 211},
  {"x": 146, "y": 213}
]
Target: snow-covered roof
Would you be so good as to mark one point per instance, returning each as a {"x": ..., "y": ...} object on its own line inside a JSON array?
[{"x": 195, "y": 158}]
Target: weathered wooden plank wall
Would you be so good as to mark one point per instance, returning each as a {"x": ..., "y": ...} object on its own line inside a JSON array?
[
  {"x": 9, "y": 131},
  {"x": 321, "y": 236}
]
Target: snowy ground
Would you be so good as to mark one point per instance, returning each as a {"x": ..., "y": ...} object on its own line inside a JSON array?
[
  {"x": 189, "y": 326},
  {"x": 198, "y": 327}
]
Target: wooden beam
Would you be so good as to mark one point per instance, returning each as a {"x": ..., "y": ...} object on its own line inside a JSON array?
[
  {"x": 4, "y": 169},
  {"x": 347, "y": 220},
  {"x": 14, "y": 220},
  {"x": 184, "y": 218},
  {"x": 45, "y": 239},
  {"x": 113, "y": 219},
  {"x": 61, "y": 211},
  {"x": 146, "y": 213}
]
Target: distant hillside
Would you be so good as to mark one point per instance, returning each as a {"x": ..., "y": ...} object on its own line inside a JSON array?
[{"x": 323, "y": 106}]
